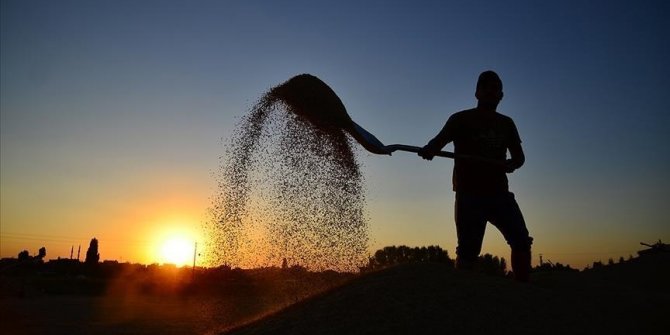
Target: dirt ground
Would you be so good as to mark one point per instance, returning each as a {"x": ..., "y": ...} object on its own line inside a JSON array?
[
  {"x": 117, "y": 315},
  {"x": 431, "y": 298},
  {"x": 631, "y": 298}
]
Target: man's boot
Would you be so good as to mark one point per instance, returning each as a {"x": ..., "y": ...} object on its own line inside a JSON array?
[{"x": 521, "y": 265}]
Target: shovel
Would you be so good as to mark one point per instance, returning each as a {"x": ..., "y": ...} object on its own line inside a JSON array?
[
  {"x": 372, "y": 144},
  {"x": 313, "y": 100}
]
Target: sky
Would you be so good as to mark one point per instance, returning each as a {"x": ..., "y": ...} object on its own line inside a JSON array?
[{"x": 113, "y": 114}]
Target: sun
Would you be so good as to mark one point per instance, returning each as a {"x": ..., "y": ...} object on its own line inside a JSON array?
[{"x": 177, "y": 250}]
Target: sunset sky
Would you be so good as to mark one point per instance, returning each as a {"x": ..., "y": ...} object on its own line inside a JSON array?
[{"x": 113, "y": 114}]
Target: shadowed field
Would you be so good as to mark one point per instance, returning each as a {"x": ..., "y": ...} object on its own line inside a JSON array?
[
  {"x": 422, "y": 298},
  {"x": 152, "y": 300},
  {"x": 630, "y": 298}
]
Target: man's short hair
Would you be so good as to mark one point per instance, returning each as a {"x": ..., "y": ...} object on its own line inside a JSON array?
[{"x": 489, "y": 77}]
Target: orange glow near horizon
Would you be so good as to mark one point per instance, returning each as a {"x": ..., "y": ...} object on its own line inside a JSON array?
[
  {"x": 174, "y": 242},
  {"x": 177, "y": 250}
]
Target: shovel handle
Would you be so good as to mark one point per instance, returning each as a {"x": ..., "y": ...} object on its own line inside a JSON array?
[
  {"x": 446, "y": 154},
  {"x": 411, "y": 148}
]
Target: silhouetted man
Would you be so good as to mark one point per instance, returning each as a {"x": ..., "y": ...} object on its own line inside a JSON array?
[{"x": 482, "y": 192}]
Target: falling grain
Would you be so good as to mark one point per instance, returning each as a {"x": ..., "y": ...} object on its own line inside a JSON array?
[{"x": 289, "y": 186}]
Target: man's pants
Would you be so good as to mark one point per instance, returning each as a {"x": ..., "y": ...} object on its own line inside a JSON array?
[{"x": 472, "y": 214}]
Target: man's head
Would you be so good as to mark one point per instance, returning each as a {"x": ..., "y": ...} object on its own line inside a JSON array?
[{"x": 489, "y": 90}]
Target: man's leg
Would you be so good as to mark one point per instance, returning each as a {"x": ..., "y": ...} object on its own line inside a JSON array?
[
  {"x": 508, "y": 219},
  {"x": 521, "y": 259},
  {"x": 470, "y": 228}
]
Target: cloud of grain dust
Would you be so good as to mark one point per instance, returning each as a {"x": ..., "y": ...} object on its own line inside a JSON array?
[{"x": 288, "y": 190}]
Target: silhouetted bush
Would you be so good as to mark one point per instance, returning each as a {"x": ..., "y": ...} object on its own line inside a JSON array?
[
  {"x": 24, "y": 255},
  {"x": 395, "y": 255},
  {"x": 492, "y": 265},
  {"x": 549, "y": 267},
  {"x": 41, "y": 254}
]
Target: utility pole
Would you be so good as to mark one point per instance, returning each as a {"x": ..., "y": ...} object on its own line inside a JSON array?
[
  {"x": 78, "y": 252},
  {"x": 71, "y": 251},
  {"x": 195, "y": 253}
]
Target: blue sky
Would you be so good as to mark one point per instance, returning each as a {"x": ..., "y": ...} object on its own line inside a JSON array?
[{"x": 111, "y": 106}]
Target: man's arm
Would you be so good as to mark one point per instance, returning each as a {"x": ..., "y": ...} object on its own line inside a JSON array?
[
  {"x": 437, "y": 143},
  {"x": 517, "y": 157}
]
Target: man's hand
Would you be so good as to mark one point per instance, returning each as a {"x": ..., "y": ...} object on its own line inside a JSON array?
[
  {"x": 517, "y": 158},
  {"x": 511, "y": 165},
  {"x": 426, "y": 153}
]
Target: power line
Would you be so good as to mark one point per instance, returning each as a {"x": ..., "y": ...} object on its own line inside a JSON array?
[
  {"x": 585, "y": 253},
  {"x": 42, "y": 239},
  {"x": 65, "y": 239}
]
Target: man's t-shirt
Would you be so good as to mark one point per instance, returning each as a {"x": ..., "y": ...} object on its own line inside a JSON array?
[{"x": 483, "y": 134}]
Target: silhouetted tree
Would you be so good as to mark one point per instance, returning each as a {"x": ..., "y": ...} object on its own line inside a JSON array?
[
  {"x": 41, "y": 253},
  {"x": 92, "y": 255},
  {"x": 394, "y": 255},
  {"x": 492, "y": 264},
  {"x": 24, "y": 255}
]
